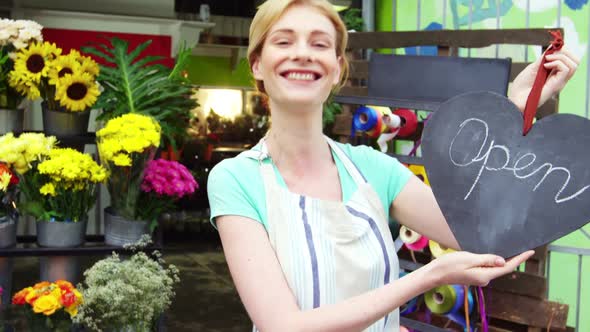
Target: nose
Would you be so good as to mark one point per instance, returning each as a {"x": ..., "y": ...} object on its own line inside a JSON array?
[{"x": 302, "y": 52}]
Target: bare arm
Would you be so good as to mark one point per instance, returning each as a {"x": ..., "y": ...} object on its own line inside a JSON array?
[
  {"x": 272, "y": 306},
  {"x": 416, "y": 208}
]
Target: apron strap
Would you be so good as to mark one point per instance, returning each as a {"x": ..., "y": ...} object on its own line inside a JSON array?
[{"x": 349, "y": 165}]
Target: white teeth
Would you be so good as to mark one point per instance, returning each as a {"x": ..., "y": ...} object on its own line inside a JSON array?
[{"x": 300, "y": 76}]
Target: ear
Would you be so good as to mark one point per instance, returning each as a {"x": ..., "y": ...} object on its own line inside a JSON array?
[
  {"x": 256, "y": 70},
  {"x": 339, "y": 70}
]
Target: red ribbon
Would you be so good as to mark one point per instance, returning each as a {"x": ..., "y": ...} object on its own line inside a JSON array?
[{"x": 532, "y": 101}]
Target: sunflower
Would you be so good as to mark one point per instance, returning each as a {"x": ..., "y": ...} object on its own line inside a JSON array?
[
  {"x": 24, "y": 84},
  {"x": 77, "y": 92},
  {"x": 61, "y": 66},
  {"x": 89, "y": 66},
  {"x": 33, "y": 61}
]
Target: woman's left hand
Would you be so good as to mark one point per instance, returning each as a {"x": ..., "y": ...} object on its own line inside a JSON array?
[{"x": 563, "y": 65}]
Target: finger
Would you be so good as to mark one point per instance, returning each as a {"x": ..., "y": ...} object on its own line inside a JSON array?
[
  {"x": 569, "y": 54},
  {"x": 561, "y": 71},
  {"x": 572, "y": 65},
  {"x": 515, "y": 261},
  {"x": 489, "y": 260}
]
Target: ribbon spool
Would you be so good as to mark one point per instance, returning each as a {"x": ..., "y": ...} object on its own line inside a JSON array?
[
  {"x": 436, "y": 250},
  {"x": 420, "y": 172},
  {"x": 412, "y": 240},
  {"x": 449, "y": 300},
  {"x": 369, "y": 120},
  {"x": 409, "y": 122}
]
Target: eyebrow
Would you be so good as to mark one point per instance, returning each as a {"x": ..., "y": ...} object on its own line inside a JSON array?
[{"x": 291, "y": 31}]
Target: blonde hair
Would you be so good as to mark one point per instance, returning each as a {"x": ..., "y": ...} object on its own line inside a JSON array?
[{"x": 271, "y": 11}]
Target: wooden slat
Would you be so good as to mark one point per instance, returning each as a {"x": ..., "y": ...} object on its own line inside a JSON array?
[
  {"x": 448, "y": 38},
  {"x": 536, "y": 264},
  {"x": 521, "y": 283},
  {"x": 516, "y": 68},
  {"x": 359, "y": 69},
  {"x": 353, "y": 91},
  {"x": 525, "y": 310}
]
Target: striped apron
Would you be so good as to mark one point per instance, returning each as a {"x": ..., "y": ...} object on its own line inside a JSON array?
[{"x": 330, "y": 251}]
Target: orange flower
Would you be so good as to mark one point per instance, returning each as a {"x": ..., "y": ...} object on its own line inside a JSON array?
[
  {"x": 41, "y": 285},
  {"x": 64, "y": 285},
  {"x": 19, "y": 298},
  {"x": 5, "y": 169}
]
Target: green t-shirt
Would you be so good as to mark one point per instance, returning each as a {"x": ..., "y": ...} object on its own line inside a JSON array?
[{"x": 235, "y": 185}]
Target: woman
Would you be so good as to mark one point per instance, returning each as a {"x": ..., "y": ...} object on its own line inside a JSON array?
[{"x": 303, "y": 220}]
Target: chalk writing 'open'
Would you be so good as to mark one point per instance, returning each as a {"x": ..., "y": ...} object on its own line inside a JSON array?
[{"x": 521, "y": 166}]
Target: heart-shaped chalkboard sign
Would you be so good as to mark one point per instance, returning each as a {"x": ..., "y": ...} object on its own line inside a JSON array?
[{"x": 502, "y": 192}]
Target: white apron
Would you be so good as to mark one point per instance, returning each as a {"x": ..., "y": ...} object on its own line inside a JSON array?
[{"x": 330, "y": 251}]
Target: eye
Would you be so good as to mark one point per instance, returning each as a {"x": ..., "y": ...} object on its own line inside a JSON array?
[
  {"x": 282, "y": 42},
  {"x": 321, "y": 44}
]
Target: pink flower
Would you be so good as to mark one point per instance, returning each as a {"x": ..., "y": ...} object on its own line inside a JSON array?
[{"x": 168, "y": 178}]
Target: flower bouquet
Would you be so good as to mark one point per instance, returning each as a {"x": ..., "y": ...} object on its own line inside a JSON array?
[
  {"x": 64, "y": 82},
  {"x": 67, "y": 179},
  {"x": 164, "y": 183},
  {"x": 49, "y": 306},
  {"x": 127, "y": 294},
  {"x": 126, "y": 145},
  {"x": 14, "y": 36},
  {"x": 22, "y": 154}
]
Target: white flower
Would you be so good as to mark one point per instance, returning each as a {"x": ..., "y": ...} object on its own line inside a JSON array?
[
  {"x": 27, "y": 24},
  {"x": 19, "y": 43},
  {"x": 27, "y": 34}
]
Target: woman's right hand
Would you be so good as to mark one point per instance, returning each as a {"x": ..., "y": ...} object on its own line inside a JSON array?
[{"x": 464, "y": 268}]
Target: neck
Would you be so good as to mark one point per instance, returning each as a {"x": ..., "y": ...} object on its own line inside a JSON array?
[{"x": 296, "y": 137}]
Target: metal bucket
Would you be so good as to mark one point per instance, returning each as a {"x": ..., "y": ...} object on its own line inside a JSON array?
[
  {"x": 11, "y": 120},
  {"x": 7, "y": 232},
  {"x": 64, "y": 124},
  {"x": 52, "y": 268},
  {"x": 119, "y": 231},
  {"x": 60, "y": 234}
]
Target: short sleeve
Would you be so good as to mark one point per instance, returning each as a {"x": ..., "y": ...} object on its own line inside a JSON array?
[{"x": 228, "y": 195}]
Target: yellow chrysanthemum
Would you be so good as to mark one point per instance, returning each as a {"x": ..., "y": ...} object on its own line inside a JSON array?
[
  {"x": 77, "y": 92},
  {"x": 34, "y": 60},
  {"x": 69, "y": 169},
  {"x": 47, "y": 189},
  {"x": 62, "y": 66},
  {"x": 122, "y": 160},
  {"x": 125, "y": 135}
]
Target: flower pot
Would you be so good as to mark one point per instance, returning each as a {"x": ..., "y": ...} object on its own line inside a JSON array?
[
  {"x": 119, "y": 231},
  {"x": 7, "y": 232},
  {"x": 59, "y": 234},
  {"x": 11, "y": 120},
  {"x": 62, "y": 123}
]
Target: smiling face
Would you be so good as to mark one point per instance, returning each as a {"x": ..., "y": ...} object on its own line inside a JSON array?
[{"x": 298, "y": 63}]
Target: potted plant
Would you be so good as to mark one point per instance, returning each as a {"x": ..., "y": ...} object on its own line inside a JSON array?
[
  {"x": 126, "y": 145},
  {"x": 49, "y": 306},
  {"x": 135, "y": 84},
  {"x": 67, "y": 181},
  {"x": 66, "y": 83},
  {"x": 14, "y": 36},
  {"x": 164, "y": 183},
  {"x": 129, "y": 294}
]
